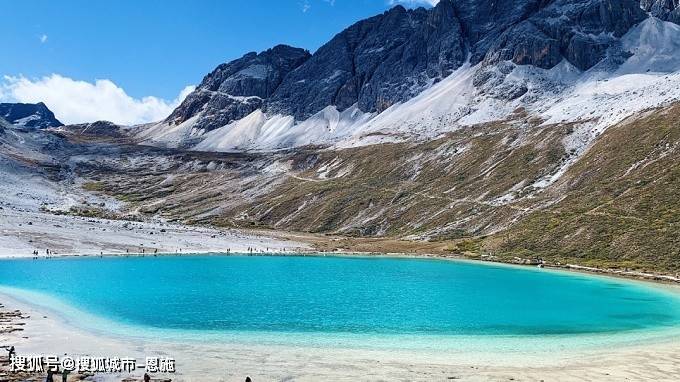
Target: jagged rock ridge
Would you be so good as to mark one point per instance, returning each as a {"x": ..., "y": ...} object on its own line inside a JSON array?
[
  {"x": 235, "y": 89},
  {"x": 376, "y": 62}
]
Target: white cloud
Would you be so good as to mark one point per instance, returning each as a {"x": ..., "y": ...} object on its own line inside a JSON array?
[
  {"x": 74, "y": 101},
  {"x": 43, "y": 39},
  {"x": 413, "y": 3}
]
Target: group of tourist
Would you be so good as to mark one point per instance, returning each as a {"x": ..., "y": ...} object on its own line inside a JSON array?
[
  {"x": 50, "y": 376},
  {"x": 36, "y": 253}
]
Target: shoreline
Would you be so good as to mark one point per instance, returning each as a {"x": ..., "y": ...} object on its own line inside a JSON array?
[
  {"x": 649, "y": 277},
  {"x": 638, "y": 360},
  {"x": 77, "y": 236},
  {"x": 47, "y": 332},
  {"x": 26, "y": 296}
]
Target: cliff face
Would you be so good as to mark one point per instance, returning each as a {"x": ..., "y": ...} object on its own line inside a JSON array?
[
  {"x": 392, "y": 57},
  {"x": 582, "y": 32}
]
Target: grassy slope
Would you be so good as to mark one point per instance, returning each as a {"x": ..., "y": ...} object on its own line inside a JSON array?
[
  {"x": 620, "y": 206},
  {"x": 442, "y": 188}
]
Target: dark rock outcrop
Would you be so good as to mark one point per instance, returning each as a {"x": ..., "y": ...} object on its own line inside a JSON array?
[
  {"x": 485, "y": 21},
  {"x": 33, "y": 115},
  {"x": 580, "y": 31},
  {"x": 235, "y": 89}
]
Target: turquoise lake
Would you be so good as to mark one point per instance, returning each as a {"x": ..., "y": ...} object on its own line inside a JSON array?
[{"x": 344, "y": 295}]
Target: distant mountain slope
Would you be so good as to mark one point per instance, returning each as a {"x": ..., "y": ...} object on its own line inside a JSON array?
[
  {"x": 29, "y": 115},
  {"x": 25, "y": 155},
  {"x": 99, "y": 130}
]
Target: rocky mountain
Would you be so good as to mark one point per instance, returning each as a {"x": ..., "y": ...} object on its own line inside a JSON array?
[
  {"x": 376, "y": 63},
  {"x": 483, "y": 59},
  {"x": 29, "y": 115},
  {"x": 391, "y": 58},
  {"x": 236, "y": 89}
]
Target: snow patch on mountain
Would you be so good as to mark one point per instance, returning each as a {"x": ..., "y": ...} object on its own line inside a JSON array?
[
  {"x": 168, "y": 135},
  {"x": 655, "y": 45},
  {"x": 259, "y": 132},
  {"x": 649, "y": 78},
  {"x": 429, "y": 113}
]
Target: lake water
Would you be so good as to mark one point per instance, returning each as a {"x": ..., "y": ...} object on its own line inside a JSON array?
[{"x": 344, "y": 296}]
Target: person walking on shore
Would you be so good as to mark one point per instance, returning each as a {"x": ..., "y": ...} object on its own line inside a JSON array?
[
  {"x": 50, "y": 377},
  {"x": 11, "y": 353},
  {"x": 64, "y": 375}
]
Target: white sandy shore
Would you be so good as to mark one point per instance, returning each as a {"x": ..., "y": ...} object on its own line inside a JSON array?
[
  {"x": 48, "y": 333},
  {"x": 25, "y": 225},
  {"x": 22, "y": 233}
]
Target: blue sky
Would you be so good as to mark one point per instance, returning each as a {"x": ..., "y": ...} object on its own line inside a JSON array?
[{"x": 153, "y": 48}]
